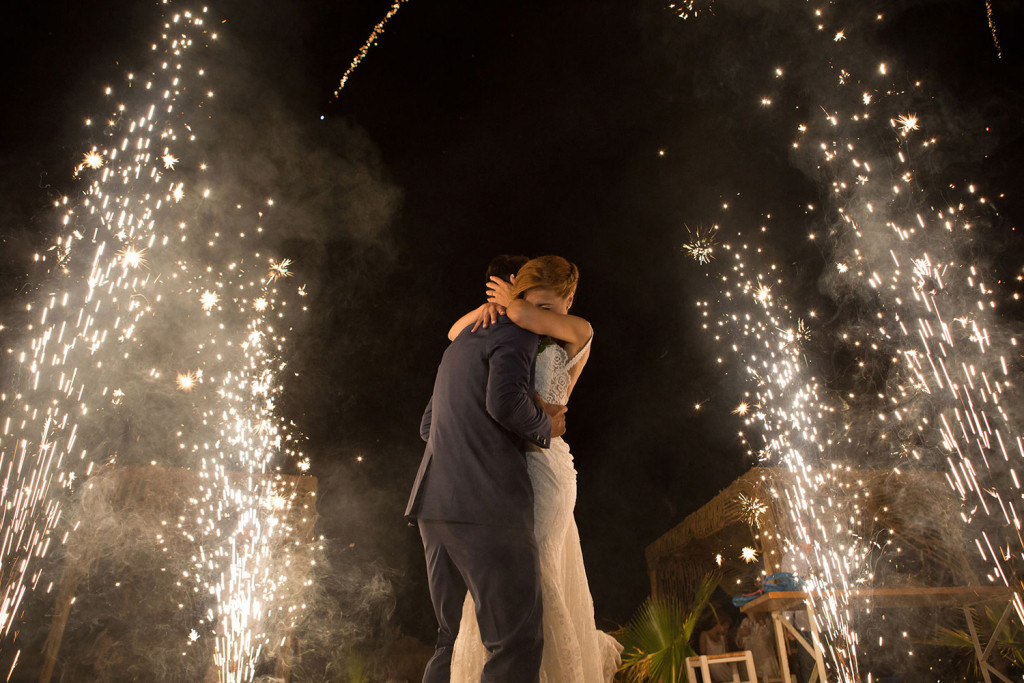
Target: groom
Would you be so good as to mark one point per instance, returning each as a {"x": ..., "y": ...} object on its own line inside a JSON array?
[{"x": 473, "y": 500}]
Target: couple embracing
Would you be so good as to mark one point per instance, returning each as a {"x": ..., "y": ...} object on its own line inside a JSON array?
[{"x": 496, "y": 488}]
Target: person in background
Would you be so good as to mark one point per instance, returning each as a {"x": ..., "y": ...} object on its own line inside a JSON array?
[
  {"x": 715, "y": 641},
  {"x": 755, "y": 634}
]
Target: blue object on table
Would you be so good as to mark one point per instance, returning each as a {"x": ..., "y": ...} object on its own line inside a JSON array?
[
  {"x": 782, "y": 581},
  {"x": 741, "y": 600}
]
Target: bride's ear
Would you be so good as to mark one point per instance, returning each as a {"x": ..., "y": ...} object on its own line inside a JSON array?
[{"x": 571, "y": 297}]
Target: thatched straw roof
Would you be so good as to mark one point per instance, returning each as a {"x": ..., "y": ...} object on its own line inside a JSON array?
[{"x": 915, "y": 509}]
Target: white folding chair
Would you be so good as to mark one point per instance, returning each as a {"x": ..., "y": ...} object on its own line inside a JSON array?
[{"x": 733, "y": 659}]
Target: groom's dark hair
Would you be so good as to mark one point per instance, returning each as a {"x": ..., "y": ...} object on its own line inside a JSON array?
[{"x": 505, "y": 266}]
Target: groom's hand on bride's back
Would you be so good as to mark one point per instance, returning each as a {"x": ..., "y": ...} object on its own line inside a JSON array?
[{"x": 557, "y": 415}]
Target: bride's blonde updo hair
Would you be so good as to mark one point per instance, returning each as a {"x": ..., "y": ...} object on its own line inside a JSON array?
[{"x": 549, "y": 272}]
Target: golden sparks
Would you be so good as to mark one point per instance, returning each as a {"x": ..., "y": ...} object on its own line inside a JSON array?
[
  {"x": 187, "y": 380},
  {"x": 701, "y": 245},
  {"x": 84, "y": 343},
  {"x": 763, "y": 293},
  {"x": 132, "y": 257},
  {"x": 906, "y": 123},
  {"x": 209, "y": 299},
  {"x": 752, "y": 509},
  {"x": 91, "y": 159},
  {"x": 280, "y": 269},
  {"x": 370, "y": 42}
]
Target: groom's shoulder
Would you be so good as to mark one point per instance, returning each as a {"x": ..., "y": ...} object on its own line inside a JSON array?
[{"x": 505, "y": 329}]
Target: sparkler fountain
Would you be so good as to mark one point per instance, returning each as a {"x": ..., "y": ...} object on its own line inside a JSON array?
[
  {"x": 905, "y": 241},
  {"x": 160, "y": 321}
]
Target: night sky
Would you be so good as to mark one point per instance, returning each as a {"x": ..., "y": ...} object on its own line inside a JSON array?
[{"x": 596, "y": 130}]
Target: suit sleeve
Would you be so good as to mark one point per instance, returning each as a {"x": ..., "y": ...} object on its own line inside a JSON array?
[
  {"x": 509, "y": 394},
  {"x": 425, "y": 422}
]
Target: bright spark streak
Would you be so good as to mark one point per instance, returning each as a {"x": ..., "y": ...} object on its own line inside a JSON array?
[
  {"x": 992, "y": 28},
  {"x": 370, "y": 42}
]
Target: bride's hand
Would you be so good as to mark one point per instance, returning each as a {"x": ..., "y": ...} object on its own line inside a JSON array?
[
  {"x": 487, "y": 315},
  {"x": 499, "y": 292}
]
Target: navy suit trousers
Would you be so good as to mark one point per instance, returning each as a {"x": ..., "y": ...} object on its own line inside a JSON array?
[{"x": 500, "y": 568}]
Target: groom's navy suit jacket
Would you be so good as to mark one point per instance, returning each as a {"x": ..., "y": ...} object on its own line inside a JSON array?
[{"x": 476, "y": 424}]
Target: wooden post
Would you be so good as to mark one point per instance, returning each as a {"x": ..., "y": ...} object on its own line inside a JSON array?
[{"x": 70, "y": 579}]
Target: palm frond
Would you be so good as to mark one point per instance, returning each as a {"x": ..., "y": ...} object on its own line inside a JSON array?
[
  {"x": 1009, "y": 642},
  {"x": 656, "y": 641}
]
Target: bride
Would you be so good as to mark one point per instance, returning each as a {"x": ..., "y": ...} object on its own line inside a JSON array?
[{"x": 575, "y": 651}]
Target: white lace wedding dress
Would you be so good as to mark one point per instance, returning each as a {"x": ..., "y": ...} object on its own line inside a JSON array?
[{"x": 574, "y": 650}]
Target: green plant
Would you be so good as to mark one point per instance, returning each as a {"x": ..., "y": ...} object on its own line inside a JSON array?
[
  {"x": 1009, "y": 640},
  {"x": 656, "y": 641}
]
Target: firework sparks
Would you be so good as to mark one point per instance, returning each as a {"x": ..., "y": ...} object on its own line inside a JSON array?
[
  {"x": 690, "y": 8},
  {"x": 906, "y": 123},
  {"x": 992, "y": 28},
  {"x": 763, "y": 293},
  {"x": 752, "y": 509},
  {"x": 132, "y": 257},
  {"x": 931, "y": 321},
  {"x": 209, "y": 299},
  {"x": 788, "y": 408},
  {"x": 701, "y": 245},
  {"x": 92, "y": 159},
  {"x": 370, "y": 42},
  {"x": 105, "y": 307},
  {"x": 187, "y": 380},
  {"x": 280, "y": 269}
]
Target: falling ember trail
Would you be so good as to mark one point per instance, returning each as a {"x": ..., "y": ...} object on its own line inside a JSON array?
[
  {"x": 370, "y": 42},
  {"x": 992, "y": 27}
]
